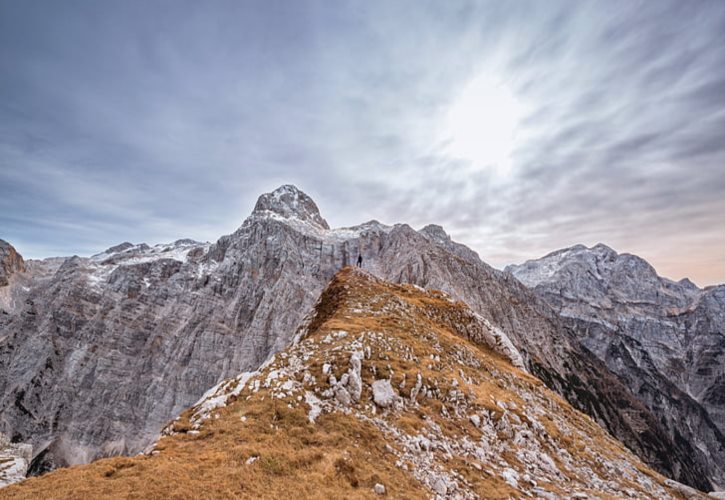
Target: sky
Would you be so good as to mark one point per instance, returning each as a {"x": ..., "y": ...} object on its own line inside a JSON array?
[{"x": 521, "y": 127}]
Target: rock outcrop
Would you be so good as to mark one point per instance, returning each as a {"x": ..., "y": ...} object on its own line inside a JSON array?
[
  {"x": 10, "y": 262},
  {"x": 664, "y": 339},
  {"x": 98, "y": 353},
  {"x": 14, "y": 460},
  {"x": 439, "y": 415}
]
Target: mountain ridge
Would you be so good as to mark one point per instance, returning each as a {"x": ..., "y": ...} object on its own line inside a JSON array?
[
  {"x": 387, "y": 390},
  {"x": 183, "y": 316}
]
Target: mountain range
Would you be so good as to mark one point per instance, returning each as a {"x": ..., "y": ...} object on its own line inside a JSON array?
[
  {"x": 98, "y": 354},
  {"x": 386, "y": 390}
]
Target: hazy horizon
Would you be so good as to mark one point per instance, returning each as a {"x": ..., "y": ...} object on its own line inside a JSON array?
[{"x": 521, "y": 128}]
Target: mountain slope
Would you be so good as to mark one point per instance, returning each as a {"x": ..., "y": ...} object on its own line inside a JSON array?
[
  {"x": 665, "y": 339},
  {"x": 181, "y": 317},
  {"x": 391, "y": 390}
]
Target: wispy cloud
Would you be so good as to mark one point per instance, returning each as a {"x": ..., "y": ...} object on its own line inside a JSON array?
[{"x": 153, "y": 121}]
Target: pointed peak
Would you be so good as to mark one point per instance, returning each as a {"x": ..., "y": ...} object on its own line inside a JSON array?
[
  {"x": 687, "y": 283},
  {"x": 603, "y": 249},
  {"x": 435, "y": 231},
  {"x": 119, "y": 248},
  {"x": 289, "y": 202}
]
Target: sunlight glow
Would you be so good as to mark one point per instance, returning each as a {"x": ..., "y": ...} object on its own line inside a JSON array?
[{"x": 481, "y": 124}]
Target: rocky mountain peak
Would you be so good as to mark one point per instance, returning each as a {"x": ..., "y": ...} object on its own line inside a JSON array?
[
  {"x": 603, "y": 250},
  {"x": 599, "y": 263},
  {"x": 290, "y": 203},
  {"x": 120, "y": 247},
  {"x": 685, "y": 282},
  {"x": 437, "y": 235},
  {"x": 435, "y": 231}
]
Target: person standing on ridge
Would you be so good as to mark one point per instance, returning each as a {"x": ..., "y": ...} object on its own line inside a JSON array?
[{"x": 359, "y": 260}]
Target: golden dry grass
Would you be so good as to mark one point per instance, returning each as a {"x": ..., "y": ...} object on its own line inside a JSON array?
[{"x": 338, "y": 457}]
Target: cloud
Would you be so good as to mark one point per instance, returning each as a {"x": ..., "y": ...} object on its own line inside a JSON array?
[{"x": 150, "y": 122}]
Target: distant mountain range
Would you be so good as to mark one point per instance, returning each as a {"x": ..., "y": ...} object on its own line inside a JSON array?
[{"x": 98, "y": 354}]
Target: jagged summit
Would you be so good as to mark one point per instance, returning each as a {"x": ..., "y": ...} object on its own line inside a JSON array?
[
  {"x": 599, "y": 262},
  {"x": 600, "y": 249},
  {"x": 390, "y": 390},
  {"x": 119, "y": 248},
  {"x": 436, "y": 234},
  {"x": 603, "y": 249},
  {"x": 289, "y": 202},
  {"x": 436, "y": 231}
]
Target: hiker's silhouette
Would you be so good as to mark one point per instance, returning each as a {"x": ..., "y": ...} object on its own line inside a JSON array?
[{"x": 359, "y": 260}]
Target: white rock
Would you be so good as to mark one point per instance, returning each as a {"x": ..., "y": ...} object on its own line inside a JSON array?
[
  {"x": 424, "y": 443},
  {"x": 383, "y": 393},
  {"x": 416, "y": 389},
  {"x": 342, "y": 396},
  {"x": 288, "y": 385},
  {"x": 315, "y": 406},
  {"x": 511, "y": 477},
  {"x": 251, "y": 460},
  {"x": 354, "y": 381},
  {"x": 379, "y": 489},
  {"x": 440, "y": 487},
  {"x": 475, "y": 420}
]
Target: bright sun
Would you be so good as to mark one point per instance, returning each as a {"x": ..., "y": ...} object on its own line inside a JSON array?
[{"x": 481, "y": 124}]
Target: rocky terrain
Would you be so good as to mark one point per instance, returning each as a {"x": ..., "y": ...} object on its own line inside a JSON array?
[
  {"x": 664, "y": 339},
  {"x": 97, "y": 354},
  {"x": 387, "y": 390},
  {"x": 14, "y": 460},
  {"x": 10, "y": 262}
]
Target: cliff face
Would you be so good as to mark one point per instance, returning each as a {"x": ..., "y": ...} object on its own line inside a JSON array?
[
  {"x": 386, "y": 390},
  {"x": 10, "y": 262},
  {"x": 98, "y": 353},
  {"x": 664, "y": 339}
]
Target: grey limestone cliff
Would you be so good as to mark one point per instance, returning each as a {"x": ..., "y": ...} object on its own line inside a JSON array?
[{"x": 664, "y": 339}]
